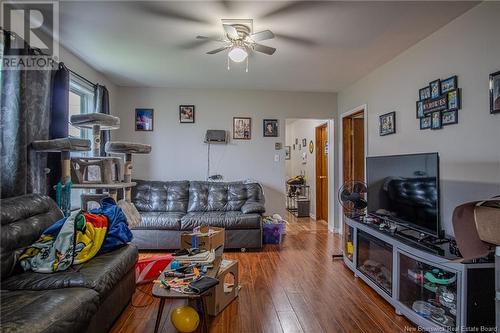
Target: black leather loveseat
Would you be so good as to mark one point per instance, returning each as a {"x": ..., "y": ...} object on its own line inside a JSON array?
[
  {"x": 169, "y": 208},
  {"x": 85, "y": 298}
]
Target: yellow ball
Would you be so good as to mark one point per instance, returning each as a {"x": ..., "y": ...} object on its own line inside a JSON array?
[{"x": 185, "y": 319}]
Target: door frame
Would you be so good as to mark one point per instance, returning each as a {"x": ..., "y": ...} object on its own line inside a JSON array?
[
  {"x": 343, "y": 115},
  {"x": 326, "y": 126}
]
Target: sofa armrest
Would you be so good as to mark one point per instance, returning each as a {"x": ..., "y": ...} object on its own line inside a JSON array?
[{"x": 253, "y": 207}]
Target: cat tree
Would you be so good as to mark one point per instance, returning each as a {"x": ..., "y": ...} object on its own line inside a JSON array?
[{"x": 113, "y": 176}]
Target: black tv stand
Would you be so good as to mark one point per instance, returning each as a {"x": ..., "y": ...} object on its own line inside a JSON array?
[{"x": 413, "y": 273}]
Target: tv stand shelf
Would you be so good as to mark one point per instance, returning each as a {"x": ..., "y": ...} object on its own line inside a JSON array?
[{"x": 423, "y": 282}]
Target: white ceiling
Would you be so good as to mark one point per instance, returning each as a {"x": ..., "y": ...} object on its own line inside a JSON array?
[{"x": 321, "y": 46}]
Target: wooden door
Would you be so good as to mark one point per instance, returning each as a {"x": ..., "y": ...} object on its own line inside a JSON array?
[
  {"x": 322, "y": 172},
  {"x": 353, "y": 148}
]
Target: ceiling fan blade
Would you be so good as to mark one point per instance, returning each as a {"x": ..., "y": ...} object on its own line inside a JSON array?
[
  {"x": 264, "y": 49},
  {"x": 262, "y": 35},
  {"x": 231, "y": 31},
  {"x": 218, "y": 50}
]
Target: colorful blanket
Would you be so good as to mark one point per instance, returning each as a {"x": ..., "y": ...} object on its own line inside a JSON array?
[{"x": 77, "y": 239}]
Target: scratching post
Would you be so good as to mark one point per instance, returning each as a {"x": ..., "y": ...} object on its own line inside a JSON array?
[
  {"x": 64, "y": 146},
  {"x": 127, "y": 176},
  {"x": 127, "y": 149},
  {"x": 96, "y": 140}
]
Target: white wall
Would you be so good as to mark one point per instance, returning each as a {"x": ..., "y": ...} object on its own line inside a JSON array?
[
  {"x": 300, "y": 129},
  {"x": 178, "y": 149},
  {"x": 468, "y": 47}
]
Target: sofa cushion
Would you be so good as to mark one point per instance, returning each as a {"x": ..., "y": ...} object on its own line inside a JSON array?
[
  {"x": 54, "y": 311},
  {"x": 101, "y": 273},
  {"x": 23, "y": 219},
  {"x": 160, "y": 221},
  {"x": 227, "y": 220},
  {"x": 210, "y": 196},
  {"x": 156, "y": 196}
]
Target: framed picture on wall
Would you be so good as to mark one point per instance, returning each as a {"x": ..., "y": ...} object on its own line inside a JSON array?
[
  {"x": 449, "y": 84},
  {"x": 288, "y": 152},
  {"x": 495, "y": 92},
  {"x": 424, "y": 93},
  {"x": 435, "y": 88},
  {"x": 304, "y": 142},
  {"x": 387, "y": 123},
  {"x": 186, "y": 114},
  {"x": 144, "y": 119},
  {"x": 454, "y": 102},
  {"x": 420, "y": 109},
  {"x": 242, "y": 128},
  {"x": 425, "y": 122},
  {"x": 449, "y": 117},
  {"x": 270, "y": 127},
  {"x": 436, "y": 120}
]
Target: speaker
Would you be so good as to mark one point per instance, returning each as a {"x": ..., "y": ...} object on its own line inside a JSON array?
[{"x": 216, "y": 136}]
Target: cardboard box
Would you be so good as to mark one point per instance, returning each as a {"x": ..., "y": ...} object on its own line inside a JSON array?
[
  {"x": 227, "y": 289},
  {"x": 212, "y": 242}
]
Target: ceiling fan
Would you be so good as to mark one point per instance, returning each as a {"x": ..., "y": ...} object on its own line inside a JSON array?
[{"x": 240, "y": 41}]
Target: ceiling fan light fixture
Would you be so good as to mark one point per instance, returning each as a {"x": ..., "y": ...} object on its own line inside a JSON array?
[{"x": 238, "y": 54}]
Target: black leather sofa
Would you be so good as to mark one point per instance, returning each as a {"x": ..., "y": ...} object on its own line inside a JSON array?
[
  {"x": 85, "y": 298},
  {"x": 169, "y": 208}
]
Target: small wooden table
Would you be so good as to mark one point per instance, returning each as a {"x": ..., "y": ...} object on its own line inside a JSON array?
[{"x": 164, "y": 294}]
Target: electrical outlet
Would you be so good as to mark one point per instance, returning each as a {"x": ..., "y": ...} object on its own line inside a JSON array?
[{"x": 276, "y": 158}]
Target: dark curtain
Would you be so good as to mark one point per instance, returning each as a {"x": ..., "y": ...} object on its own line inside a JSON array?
[
  {"x": 58, "y": 123},
  {"x": 25, "y": 115},
  {"x": 101, "y": 102}
]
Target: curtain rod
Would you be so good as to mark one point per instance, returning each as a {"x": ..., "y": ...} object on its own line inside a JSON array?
[
  {"x": 71, "y": 71},
  {"x": 82, "y": 77}
]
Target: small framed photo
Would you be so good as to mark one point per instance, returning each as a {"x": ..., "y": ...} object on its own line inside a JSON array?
[
  {"x": 242, "y": 128},
  {"x": 449, "y": 117},
  {"x": 424, "y": 93},
  {"x": 304, "y": 142},
  {"x": 425, "y": 122},
  {"x": 186, "y": 114},
  {"x": 278, "y": 146},
  {"x": 387, "y": 123},
  {"x": 449, "y": 84},
  {"x": 495, "y": 92},
  {"x": 436, "y": 120},
  {"x": 288, "y": 152},
  {"x": 144, "y": 119},
  {"x": 270, "y": 128},
  {"x": 420, "y": 109},
  {"x": 435, "y": 87},
  {"x": 454, "y": 102}
]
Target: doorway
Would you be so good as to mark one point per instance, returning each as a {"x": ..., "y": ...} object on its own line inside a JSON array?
[
  {"x": 301, "y": 167},
  {"x": 321, "y": 133},
  {"x": 353, "y": 150}
]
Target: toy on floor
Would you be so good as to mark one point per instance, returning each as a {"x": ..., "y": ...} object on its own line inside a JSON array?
[{"x": 185, "y": 319}]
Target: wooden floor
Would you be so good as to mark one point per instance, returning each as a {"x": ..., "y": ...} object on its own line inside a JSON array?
[{"x": 293, "y": 288}]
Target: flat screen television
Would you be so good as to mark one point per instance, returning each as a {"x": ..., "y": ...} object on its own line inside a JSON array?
[{"x": 405, "y": 189}]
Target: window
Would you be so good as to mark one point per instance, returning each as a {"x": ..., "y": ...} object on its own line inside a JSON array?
[{"x": 81, "y": 100}]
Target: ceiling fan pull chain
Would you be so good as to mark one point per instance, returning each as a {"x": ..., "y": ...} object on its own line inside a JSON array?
[
  {"x": 247, "y": 66},
  {"x": 228, "y": 66}
]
